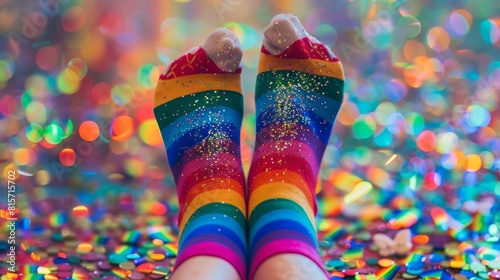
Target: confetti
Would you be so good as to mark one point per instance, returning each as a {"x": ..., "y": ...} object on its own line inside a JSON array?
[
  {"x": 393, "y": 157},
  {"x": 359, "y": 190},
  {"x": 80, "y": 211},
  {"x": 385, "y": 262},
  {"x": 85, "y": 247},
  {"x": 157, "y": 257}
]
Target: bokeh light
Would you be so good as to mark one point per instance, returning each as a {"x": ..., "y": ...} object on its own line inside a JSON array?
[
  {"x": 148, "y": 75},
  {"x": 53, "y": 134},
  {"x": 409, "y": 26},
  {"x": 47, "y": 58},
  {"x": 150, "y": 133},
  {"x": 7, "y": 69},
  {"x": 459, "y": 22},
  {"x": 67, "y": 157},
  {"x": 73, "y": 19},
  {"x": 121, "y": 94},
  {"x": 472, "y": 163},
  {"x": 122, "y": 128},
  {"x": 426, "y": 141},
  {"x": 246, "y": 33},
  {"x": 34, "y": 132},
  {"x": 490, "y": 31},
  {"x": 438, "y": 39},
  {"x": 76, "y": 69},
  {"x": 364, "y": 127},
  {"x": 102, "y": 93},
  {"x": 88, "y": 130}
]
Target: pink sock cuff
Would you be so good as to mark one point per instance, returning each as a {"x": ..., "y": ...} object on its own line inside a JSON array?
[
  {"x": 285, "y": 246},
  {"x": 215, "y": 250}
]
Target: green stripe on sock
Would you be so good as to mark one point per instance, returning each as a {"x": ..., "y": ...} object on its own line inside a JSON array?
[
  {"x": 316, "y": 84},
  {"x": 172, "y": 110},
  {"x": 278, "y": 203}
]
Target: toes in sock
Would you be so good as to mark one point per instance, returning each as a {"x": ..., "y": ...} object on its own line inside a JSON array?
[
  {"x": 298, "y": 94},
  {"x": 199, "y": 107}
]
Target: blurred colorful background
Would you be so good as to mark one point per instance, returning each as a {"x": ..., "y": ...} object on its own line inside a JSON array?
[{"x": 416, "y": 144}]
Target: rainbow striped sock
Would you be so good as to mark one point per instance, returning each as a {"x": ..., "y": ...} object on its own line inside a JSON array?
[
  {"x": 199, "y": 109},
  {"x": 298, "y": 95}
]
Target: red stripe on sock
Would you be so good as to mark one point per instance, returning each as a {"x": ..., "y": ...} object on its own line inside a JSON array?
[
  {"x": 223, "y": 166},
  {"x": 304, "y": 49},
  {"x": 193, "y": 64},
  {"x": 276, "y": 160},
  {"x": 225, "y": 146}
]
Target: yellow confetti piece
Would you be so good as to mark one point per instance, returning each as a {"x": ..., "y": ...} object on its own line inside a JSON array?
[
  {"x": 85, "y": 247},
  {"x": 34, "y": 256},
  {"x": 157, "y": 257},
  {"x": 157, "y": 242},
  {"x": 456, "y": 264},
  {"x": 385, "y": 262},
  {"x": 393, "y": 157},
  {"x": 11, "y": 275},
  {"x": 359, "y": 190},
  {"x": 42, "y": 270},
  {"x": 360, "y": 263}
]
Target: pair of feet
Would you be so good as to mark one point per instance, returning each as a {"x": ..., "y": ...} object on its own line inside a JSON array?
[{"x": 199, "y": 109}]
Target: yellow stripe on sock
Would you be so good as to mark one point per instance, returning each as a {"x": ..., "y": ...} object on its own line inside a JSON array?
[
  {"x": 280, "y": 190},
  {"x": 212, "y": 184},
  {"x": 213, "y": 196},
  {"x": 167, "y": 90},
  {"x": 311, "y": 66}
]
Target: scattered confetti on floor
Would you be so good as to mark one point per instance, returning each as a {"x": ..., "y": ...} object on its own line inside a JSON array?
[
  {"x": 123, "y": 242},
  {"x": 416, "y": 145}
]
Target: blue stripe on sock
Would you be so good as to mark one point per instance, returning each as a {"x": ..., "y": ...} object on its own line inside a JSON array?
[
  {"x": 207, "y": 219},
  {"x": 190, "y": 138},
  {"x": 279, "y": 214},
  {"x": 317, "y": 104},
  {"x": 197, "y": 118},
  {"x": 283, "y": 224},
  {"x": 317, "y": 124}
]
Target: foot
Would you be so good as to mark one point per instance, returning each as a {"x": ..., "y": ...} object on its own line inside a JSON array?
[
  {"x": 199, "y": 108},
  {"x": 298, "y": 95}
]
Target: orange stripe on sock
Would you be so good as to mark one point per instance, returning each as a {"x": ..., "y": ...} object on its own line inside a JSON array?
[
  {"x": 167, "y": 90},
  {"x": 311, "y": 66},
  {"x": 227, "y": 196},
  {"x": 209, "y": 185},
  {"x": 282, "y": 175},
  {"x": 280, "y": 190}
]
